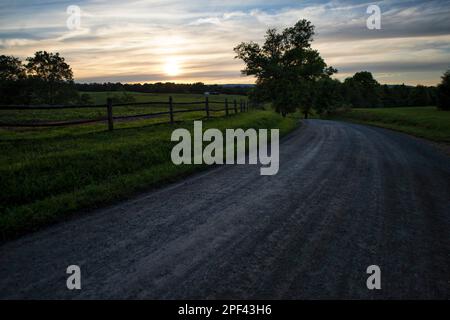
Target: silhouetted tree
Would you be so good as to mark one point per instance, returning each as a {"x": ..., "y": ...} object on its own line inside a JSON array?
[
  {"x": 50, "y": 77},
  {"x": 285, "y": 66},
  {"x": 362, "y": 90},
  {"x": 419, "y": 96},
  {"x": 387, "y": 96},
  {"x": 11, "y": 68},
  {"x": 12, "y": 80},
  {"x": 328, "y": 96},
  {"x": 49, "y": 67},
  {"x": 443, "y": 92}
]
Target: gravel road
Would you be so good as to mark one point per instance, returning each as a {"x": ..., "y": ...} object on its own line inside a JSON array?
[{"x": 346, "y": 196}]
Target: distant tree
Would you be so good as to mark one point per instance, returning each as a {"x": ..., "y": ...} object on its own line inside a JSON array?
[
  {"x": 198, "y": 87},
  {"x": 419, "y": 96},
  {"x": 328, "y": 96},
  {"x": 11, "y": 68},
  {"x": 402, "y": 93},
  {"x": 387, "y": 96},
  {"x": 352, "y": 93},
  {"x": 362, "y": 90},
  {"x": 432, "y": 92},
  {"x": 395, "y": 95},
  {"x": 443, "y": 92},
  {"x": 50, "y": 77},
  {"x": 285, "y": 66},
  {"x": 12, "y": 80}
]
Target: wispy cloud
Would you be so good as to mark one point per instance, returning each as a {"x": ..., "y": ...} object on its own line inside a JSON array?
[{"x": 132, "y": 40}]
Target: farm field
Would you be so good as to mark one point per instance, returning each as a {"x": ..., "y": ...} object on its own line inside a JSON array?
[
  {"x": 425, "y": 122},
  {"x": 49, "y": 173},
  {"x": 100, "y": 97},
  {"x": 39, "y": 116}
]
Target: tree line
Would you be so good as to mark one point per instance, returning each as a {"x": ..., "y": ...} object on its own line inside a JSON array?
[
  {"x": 289, "y": 74},
  {"x": 363, "y": 91},
  {"x": 164, "y": 87},
  {"x": 292, "y": 76}
]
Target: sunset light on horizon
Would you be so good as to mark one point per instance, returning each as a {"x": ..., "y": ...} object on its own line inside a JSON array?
[{"x": 179, "y": 41}]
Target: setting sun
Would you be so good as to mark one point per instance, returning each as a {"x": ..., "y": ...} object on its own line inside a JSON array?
[{"x": 172, "y": 68}]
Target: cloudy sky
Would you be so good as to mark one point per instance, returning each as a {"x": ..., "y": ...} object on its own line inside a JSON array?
[{"x": 193, "y": 40}]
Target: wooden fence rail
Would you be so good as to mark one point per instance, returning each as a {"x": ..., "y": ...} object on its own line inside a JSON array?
[{"x": 109, "y": 106}]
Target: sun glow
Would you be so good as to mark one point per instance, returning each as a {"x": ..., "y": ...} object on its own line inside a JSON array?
[{"x": 172, "y": 68}]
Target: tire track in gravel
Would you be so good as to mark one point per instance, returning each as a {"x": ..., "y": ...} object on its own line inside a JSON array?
[{"x": 346, "y": 196}]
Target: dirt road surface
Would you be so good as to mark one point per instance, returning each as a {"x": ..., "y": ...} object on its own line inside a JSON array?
[{"x": 346, "y": 196}]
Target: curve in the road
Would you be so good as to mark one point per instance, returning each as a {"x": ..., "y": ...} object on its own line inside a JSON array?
[{"x": 346, "y": 196}]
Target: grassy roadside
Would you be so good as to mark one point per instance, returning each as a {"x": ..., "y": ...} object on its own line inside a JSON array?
[
  {"x": 45, "y": 178},
  {"x": 424, "y": 122}
]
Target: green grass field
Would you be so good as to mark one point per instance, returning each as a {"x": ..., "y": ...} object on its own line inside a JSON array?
[
  {"x": 100, "y": 97},
  {"x": 47, "y": 174},
  {"x": 425, "y": 122}
]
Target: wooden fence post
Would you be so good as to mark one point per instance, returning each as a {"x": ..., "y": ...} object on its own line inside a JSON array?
[
  {"x": 171, "y": 109},
  {"x": 240, "y": 105},
  {"x": 226, "y": 107},
  {"x": 235, "y": 106},
  {"x": 207, "y": 107},
  {"x": 110, "y": 115}
]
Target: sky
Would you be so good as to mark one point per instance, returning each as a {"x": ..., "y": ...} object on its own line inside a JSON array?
[{"x": 193, "y": 40}]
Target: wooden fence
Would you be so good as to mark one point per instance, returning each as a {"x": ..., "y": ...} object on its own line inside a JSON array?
[{"x": 229, "y": 107}]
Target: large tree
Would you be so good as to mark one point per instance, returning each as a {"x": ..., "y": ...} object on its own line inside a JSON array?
[
  {"x": 443, "y": 92},
  {"x": 51, "y": 77},
  {"x": 285, "y": 66}
]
